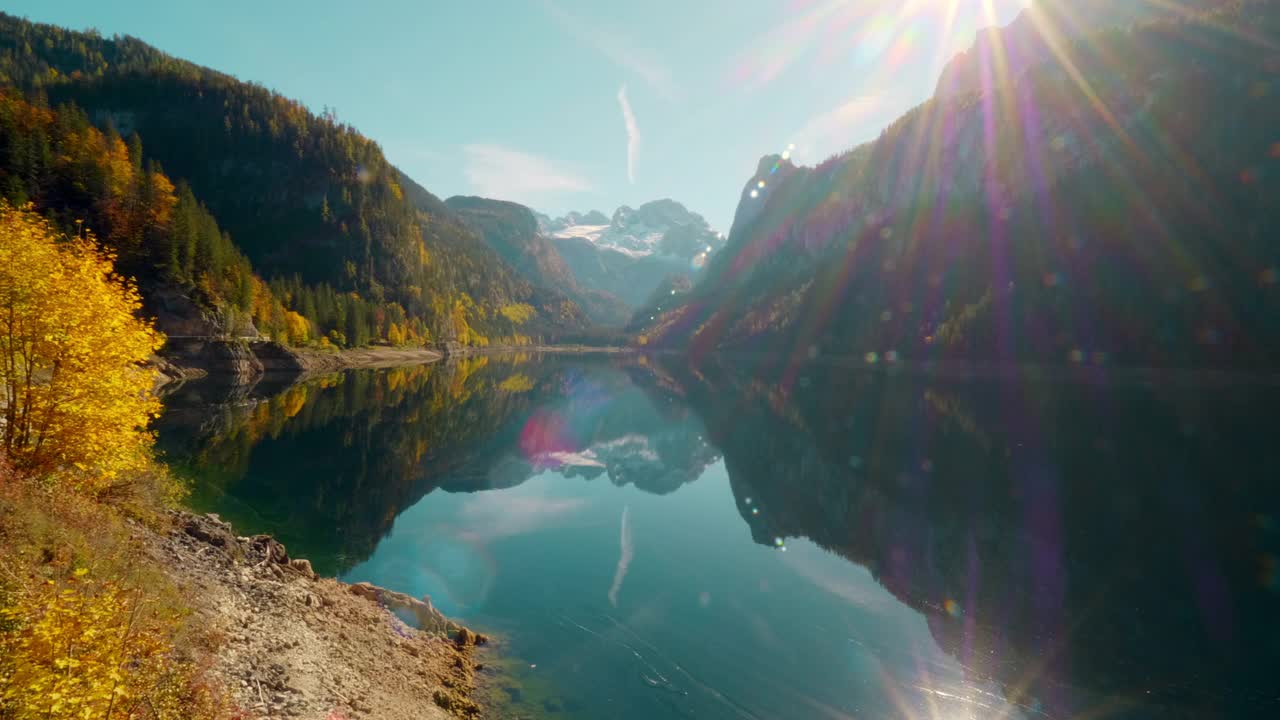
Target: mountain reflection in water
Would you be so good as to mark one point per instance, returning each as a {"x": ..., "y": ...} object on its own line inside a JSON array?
[{"x": 992, "y": 548}]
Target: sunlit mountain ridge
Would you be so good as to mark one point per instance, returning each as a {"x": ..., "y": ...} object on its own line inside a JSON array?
[{"x": 1111, "y": 204}]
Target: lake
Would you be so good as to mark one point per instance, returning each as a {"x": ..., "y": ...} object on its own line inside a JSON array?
[{"x": 651, "y": 540}]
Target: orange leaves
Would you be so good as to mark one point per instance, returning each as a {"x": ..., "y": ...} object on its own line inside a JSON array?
[{"x": 163, "y": 199}]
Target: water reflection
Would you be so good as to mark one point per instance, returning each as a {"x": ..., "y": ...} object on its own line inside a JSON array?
[{"x": 922, "y": 548}]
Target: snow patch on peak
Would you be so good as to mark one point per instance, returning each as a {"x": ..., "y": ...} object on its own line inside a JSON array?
[{"x": 662, "y": 228}]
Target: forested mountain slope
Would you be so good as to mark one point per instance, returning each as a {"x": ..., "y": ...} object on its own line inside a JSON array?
[
  {"x": 511, "y": 230},
  {"x": 305, "y": 197},
  {"x": 87, "y": 180},
  {"x": 1114, "y": 204}
]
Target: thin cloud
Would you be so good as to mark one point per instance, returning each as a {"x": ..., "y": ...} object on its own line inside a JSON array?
[
  {"x": 618, "y": 49},
  {"x": 633, "y": 133},
  {"x": 501, "y": 172}
]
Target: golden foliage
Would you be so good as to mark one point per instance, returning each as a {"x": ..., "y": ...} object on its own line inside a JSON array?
[
  {"x": 297, "y": 327},
  {"x": 75, "y": 402},
  {"x": 395, "y": 335},
  {"x": 464, "y": 308},
  {"x": 83, "y": 649},
  {"x": 518, "y": 313},
  {"x": 79, "y": 608},
  {"x": 75, "y": 398}
]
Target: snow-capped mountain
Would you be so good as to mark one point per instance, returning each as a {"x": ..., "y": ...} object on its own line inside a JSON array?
[{"x": 663, "y": 228}]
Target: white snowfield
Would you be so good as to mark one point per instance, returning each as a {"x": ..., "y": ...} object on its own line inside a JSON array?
[
  {"x": 637, "y": 233},
  {"x": 635, "y": 245}
]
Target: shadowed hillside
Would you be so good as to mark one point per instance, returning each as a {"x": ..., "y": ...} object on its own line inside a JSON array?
[{"x": 1114, "y": 205}]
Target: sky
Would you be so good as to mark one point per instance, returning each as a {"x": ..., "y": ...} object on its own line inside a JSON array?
[{"x": 574, "y": 104}]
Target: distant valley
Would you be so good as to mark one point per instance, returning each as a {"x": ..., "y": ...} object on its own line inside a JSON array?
[{"x": 607, "y": 266}]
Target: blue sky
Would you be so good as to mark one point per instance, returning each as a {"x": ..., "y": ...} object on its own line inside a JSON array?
[{"x": 574, "y": 104}]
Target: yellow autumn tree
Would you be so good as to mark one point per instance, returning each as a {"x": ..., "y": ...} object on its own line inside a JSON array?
[
  {"x": 74, "y": 399},
  {"x": 298, "y": 328},
  {"x": 395, "y": 335}
]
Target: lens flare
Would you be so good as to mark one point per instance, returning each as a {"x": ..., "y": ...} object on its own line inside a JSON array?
[{"x": 952, "y": 607}]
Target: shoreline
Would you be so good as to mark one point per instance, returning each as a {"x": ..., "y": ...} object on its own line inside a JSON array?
[
  {"x": 245, "y": 361},
  {"x": 293, "y": 644},
  {"x": 367, "y": 357},
  {"x": 469, "y": 351}
]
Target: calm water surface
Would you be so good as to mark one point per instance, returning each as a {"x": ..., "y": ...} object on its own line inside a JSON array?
[{"x": 651, "y": 541}]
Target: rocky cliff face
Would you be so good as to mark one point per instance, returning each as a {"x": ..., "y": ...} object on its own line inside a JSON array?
[
  {"x": 177, "y": 314},
  {"x": 226, "y": 358}
]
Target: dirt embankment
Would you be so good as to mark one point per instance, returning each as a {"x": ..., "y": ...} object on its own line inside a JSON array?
[{"x": 297, "y": 646}]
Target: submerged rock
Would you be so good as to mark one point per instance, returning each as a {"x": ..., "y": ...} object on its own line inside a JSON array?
[{"x": 420, "y": 613}]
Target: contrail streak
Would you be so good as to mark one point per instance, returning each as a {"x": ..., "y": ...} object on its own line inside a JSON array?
[{"x": 624, "y": 560}]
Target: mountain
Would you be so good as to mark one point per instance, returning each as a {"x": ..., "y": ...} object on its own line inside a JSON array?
[
  {"x": 305, "y": 197},
  {"x": 571, "y": 219},
  {"x": 1022, "y": 44},
  {"x": 1115, "y": 204},
  {"x": 512, "y": 231},
  {"x": 662, "y": 227},
  {"x": 635, "y": 251}
]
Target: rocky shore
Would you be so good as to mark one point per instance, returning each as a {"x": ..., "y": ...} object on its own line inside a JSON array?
[
  {"x": 245, "y": 360},
  {"x": 289, "y": 644}
]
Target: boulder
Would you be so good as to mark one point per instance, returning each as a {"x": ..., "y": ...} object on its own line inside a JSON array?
[{"x": 209, "y": 529}]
